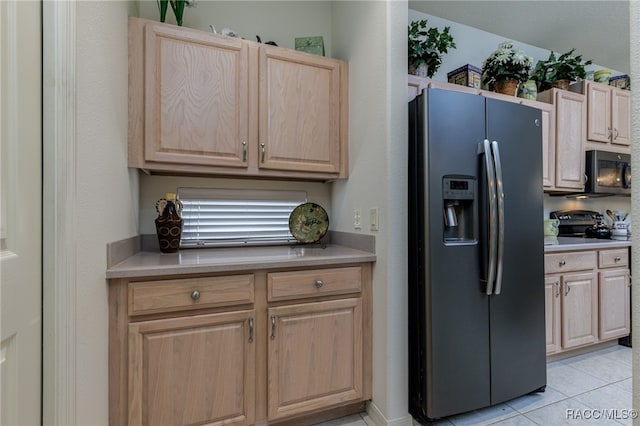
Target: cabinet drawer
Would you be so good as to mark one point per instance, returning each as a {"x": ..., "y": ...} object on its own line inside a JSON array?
[
  {"x": 319, "y": 282},
  {"x": 613, "y": 258},
  {"x": 189, "y": 293},
  {"x": 568, "y": 262}
]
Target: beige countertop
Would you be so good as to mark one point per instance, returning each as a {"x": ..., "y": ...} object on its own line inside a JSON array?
[
  {"x": 211, "y": 260},
  {"x": 576, "y": 243}
]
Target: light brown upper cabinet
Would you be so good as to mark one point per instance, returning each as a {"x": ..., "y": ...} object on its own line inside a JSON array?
[
  {"x": 205, "y": 104},
  {"x": 608, "y": 116},
  {"x": 548, "y": 141},
  {"x": 299, "y": 111},
  {"x": 570, "y": 116}
]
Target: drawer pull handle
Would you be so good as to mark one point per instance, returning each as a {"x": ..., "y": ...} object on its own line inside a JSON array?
[
  {"x": 567, "y": 289},
  {"x": 319, "y": 283},
  {"x": 562, "y": 262},
  {"x": 195, "y": 295},
  {"x": 557, "y": 289},
  {"x": 250, "y": 330},
  {"x": 262, "y": 152},
  {"x": 244, "y": 151},
  {"x": 617, "y": 259},
  {"x": 273, "y": 327}
]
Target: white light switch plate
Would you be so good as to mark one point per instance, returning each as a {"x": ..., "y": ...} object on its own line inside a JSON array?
[
  {"x": 357, "y": 218},
  {"x": 373, "y": 218}
]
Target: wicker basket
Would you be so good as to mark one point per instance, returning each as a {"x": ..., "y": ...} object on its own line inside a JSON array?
[
  {"x": 561, "y": 84},
  {"x": 508, "y": 87}
]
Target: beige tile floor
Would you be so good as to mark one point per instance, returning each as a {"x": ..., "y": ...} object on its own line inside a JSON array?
[{"x": 579, "y": 389}]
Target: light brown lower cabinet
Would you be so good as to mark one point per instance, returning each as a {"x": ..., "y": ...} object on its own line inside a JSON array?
[
  {"x": 552, "y": 312},
  {"x": 193, "y": 370},
  {"x": 240, "y": 349},
  {"x": 579, "y": 309},
  {"x": 587, "y": 298},
  {"x": 315, "y": 356},
  {"x": 614, "y": 300}
]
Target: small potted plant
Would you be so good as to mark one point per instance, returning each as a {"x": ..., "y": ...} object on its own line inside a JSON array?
[
  {"x": 426, "y": 47},
  {"x": 177, "y": 6},
  {"x": 559, "y": 72},
  {"x": 506, "y": 68}
]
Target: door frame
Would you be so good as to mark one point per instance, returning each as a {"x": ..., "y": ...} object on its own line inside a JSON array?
[{"x": 59, "y": 203}]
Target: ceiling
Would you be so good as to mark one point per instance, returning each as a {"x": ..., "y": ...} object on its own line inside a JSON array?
[{"x": 599, "y": 30}]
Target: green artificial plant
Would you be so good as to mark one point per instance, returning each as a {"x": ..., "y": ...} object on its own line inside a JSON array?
[
  {"x": 177, "y": 6},
  {"x": 427, "y": 45},
  {"x": 565, "y": 67},
  {"x": 506, "y": 63}
]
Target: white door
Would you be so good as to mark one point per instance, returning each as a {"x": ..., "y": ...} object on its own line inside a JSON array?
[{"x": 20, "y": 212}]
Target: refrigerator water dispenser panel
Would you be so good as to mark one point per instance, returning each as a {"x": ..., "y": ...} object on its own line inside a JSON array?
[{"x": 460, "y": 210}]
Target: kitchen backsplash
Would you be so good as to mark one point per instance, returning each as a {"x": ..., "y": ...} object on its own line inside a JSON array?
[{"x": 553, "y": 203}]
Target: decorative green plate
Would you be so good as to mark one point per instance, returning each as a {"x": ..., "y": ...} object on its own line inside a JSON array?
[{"x": 308, "y": 222}]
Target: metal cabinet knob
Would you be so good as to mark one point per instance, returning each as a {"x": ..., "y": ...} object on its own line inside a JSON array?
[
  {"x": 562, "y": 262},
  {"x": 617, "y": 259},
  {"x": 319, "y": 283},
  {"x": 195, "y": 295}
]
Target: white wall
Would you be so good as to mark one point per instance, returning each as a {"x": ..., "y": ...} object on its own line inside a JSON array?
[
  {"x": 372, "y": 36},
  {"x": 107, "y": 192},
  {"x": 473, "y": 46},
  {"x": 279, "y": 21}
]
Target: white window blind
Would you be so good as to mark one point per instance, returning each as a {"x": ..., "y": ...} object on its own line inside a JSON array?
[{"x": 232, "y": 217}]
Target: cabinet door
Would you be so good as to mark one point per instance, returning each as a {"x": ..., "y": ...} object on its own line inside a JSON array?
[
  {"x": 299, "y": 111},
  {"x": 552, "y": 312},
  {"x": 570, "y": 116},
  {"x": 621, "y": 117},
  {"x": 579, "y": 309},
  {"x": 315, "y": 356},
  {"x": 598, "y": 112},
  {"x": 196, "y": 97},
  {"x": 194, "y": 370},
  {"x": 548, "y": 141},
  {"x": 614, "y": 300}
]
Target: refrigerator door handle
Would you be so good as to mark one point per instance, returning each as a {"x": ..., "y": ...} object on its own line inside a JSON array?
[
  {"x": 485, "y": 148},
  {"x": 495, "y": 150}
]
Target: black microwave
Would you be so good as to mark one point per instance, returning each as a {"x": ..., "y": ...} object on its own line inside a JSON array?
[{"x": 608, "y": 173}]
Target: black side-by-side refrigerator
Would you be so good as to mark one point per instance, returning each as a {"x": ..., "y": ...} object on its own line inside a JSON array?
[{"x": 476, "y": 261}]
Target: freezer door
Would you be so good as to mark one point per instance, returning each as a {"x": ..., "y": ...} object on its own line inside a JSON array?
[
  {"x": 457, "y": 306},
  {"x": 517, "y": 332}
]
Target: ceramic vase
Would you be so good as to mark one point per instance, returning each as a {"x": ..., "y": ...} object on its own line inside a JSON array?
[
  {"x": 169, "y": 231},
  {"x": 421, "y": 70},
  {"x": 528, "y": 90}
]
